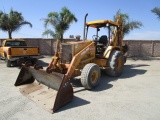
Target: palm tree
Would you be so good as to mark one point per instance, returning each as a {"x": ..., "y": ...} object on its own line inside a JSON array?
[
  {"x": 156, "y": 11},
  {"x": 60, "y": 21},
  {"x": 128, "y": 25},
  {"x": 50, "y": 33},
  {"x": 12, "y": 22}
]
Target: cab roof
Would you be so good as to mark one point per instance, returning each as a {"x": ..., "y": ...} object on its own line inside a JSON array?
[{"x": 101, "y": 23}]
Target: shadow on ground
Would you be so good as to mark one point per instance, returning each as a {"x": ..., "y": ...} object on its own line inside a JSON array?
[
  {"x": 42, "y": 63},
  {"x": 128, "y": 72},
  {"x": 76, "y": 102}
]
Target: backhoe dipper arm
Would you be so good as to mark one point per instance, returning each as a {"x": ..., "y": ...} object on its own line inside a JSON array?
[{"x": 118, "y": 33}]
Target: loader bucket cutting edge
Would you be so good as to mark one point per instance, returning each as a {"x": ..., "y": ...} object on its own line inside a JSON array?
[{"x": 36, "y": 84}]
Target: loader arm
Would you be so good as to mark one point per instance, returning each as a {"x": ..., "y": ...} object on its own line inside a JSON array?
[{"x": 89, "y": 50}]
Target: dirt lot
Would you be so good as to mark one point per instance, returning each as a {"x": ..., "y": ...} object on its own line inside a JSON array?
[{"x": 135, "y": 95}]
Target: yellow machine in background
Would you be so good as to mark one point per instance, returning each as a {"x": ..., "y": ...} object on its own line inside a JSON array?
[{"x": 84, "y": 58}]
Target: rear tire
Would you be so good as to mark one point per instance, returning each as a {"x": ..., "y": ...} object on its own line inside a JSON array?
[
  {"x": 116, "y": 63},
  {"x": 90, "y": 76},
  {"x": 8, "y": 62},
  {"x": 34, "y": 61}
]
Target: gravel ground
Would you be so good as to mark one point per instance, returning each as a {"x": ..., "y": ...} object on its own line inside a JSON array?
[{"x": 135, "y": 95}]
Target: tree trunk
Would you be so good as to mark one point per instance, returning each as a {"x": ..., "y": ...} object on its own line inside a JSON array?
[
  {"x": 61, "y": 37},
  {"x": 10, "y": 34}
]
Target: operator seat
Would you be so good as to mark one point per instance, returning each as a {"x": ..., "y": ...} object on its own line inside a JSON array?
[
  {"x": 102, "y": 43},
  {"x": 103, "y": 40}
]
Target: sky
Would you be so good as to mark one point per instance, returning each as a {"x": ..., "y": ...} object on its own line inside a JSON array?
[{"x": 36, "y": 10}]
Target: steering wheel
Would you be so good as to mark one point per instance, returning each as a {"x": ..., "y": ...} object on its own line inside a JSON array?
[{"x": 95, "y": 37}]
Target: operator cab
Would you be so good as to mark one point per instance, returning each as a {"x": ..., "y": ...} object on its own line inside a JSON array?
[{"x": 103, "y": 33}]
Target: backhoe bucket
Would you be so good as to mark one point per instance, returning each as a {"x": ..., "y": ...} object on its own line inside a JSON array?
[{"x": 51, "y": 91}]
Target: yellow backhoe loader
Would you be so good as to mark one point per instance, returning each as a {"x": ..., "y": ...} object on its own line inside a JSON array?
[{"x": 51, "y": 88}]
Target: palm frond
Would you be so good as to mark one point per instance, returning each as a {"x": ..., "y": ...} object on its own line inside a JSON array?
[
  {"x": 128, "y": 25},
  {"x": 12, "y": 22},
  {"x": 16, "y": 27},
  {"x": 156, "y": 11},
  {"x": 60, "y": 21},
  {"x": 48, "y": 32},
  {"x": 52, "y": 19}
]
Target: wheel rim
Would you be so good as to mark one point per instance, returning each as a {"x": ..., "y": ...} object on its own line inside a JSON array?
[
  {"x": 94, "y": 77},
  {"x": 119, "y": 63}
]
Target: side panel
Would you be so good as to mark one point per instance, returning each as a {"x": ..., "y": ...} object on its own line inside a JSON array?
[
  {"x": 101, "y": 62},
  {"x": 108, "y": 51},
  {"x": 70, "y": 49}
]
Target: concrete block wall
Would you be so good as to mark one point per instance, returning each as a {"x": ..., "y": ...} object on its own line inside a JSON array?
[
  {"x": 149, "y": 48},
  {"x": 156, "y": 50},
  {"x": 134, "y": 48}
]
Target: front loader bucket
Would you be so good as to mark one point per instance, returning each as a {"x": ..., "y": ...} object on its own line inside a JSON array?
[{"x": 51, "y": 91}]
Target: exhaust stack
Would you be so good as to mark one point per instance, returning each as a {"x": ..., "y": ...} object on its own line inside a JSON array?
[{"x": 84, "y": 26}]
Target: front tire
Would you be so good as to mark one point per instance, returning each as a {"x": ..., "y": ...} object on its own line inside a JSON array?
[
  {"x": 115, "y": 64},
  {"x": 90, "y": 76}
]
